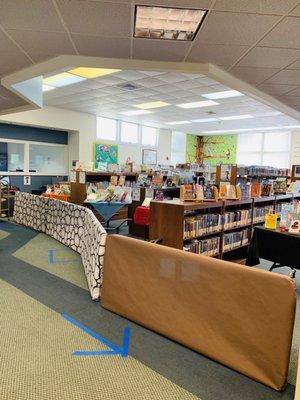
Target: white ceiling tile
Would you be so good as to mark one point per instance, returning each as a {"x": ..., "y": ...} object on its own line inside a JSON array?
[
  {"x": 234, "y": 28},
  {"x": 30, "y": 15},
  {"x": 11, "y": 62},
  {"x": 172, "y": 78},
  {"x": 102, "y": 46},
  {"x": 268, "y": 57},
  {"x": 219, "y": 54},
  {"x": 166, "y": 88},
  {"x": 131, "y": 75},
  {"x": 286, "y": 77},
  {"x": 43, "y": 42},
  {"x": 149, "y": 82},
  {"x": 276, "y": 90},
  {"x": 110, "y": 80},
  {"x": 163, "y": 50},
  {"x": 295, "y": 65},
  {"x": 296, "y": 12},
  {"x": 190, "y": 84},
  {"x": 279, "y": 7},
  {"x": 285, "y": 34},
  {"x": 253, "y": 75},
  {"x": 177, "y": 3},
  {"x": 96, "y": 18}
]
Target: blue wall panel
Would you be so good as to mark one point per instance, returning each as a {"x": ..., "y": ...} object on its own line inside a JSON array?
[{"x": 18, "y": 132}]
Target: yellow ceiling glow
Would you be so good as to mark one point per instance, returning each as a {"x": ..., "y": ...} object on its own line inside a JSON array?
[
  {"x": 152, "y": 104},
  {"x": 90, "y": 73}
]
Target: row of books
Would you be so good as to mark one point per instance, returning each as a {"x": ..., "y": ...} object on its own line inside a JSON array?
[
  {"x": 208, "y": 247},
  {"x": 202, "y": 224},
  {"x": 258, "y": 170},
  {"x": 237, "y": 218},
  {"x": 235, "y": 239},
  {"x": 260, "y": 212}
]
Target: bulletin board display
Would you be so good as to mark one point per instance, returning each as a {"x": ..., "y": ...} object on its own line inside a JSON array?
[{"x": 105, "y": 154}]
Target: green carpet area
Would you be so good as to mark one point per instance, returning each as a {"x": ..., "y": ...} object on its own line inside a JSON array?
[
  {"x": 37, "y": 361},
  {"x": 3, "y": 234},
  {"x": 50, "y": 255},
  {"x": 40, "y": 279}
]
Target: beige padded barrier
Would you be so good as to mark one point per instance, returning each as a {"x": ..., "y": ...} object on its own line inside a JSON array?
[
  {"x": 239, "y": 316},
  {"x": 297, "y": 394},
  {"x": 74, "y": 226}
]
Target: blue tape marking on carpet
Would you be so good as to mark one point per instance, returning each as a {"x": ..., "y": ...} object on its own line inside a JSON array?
[
  {"x": 51, "y": 256},
  {"x": 123, "y": 351},
  {"x": 53, "y": 259}
]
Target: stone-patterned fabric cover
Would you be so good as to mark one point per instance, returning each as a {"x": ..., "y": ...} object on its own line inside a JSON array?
[{"x": 74, "y": 226}]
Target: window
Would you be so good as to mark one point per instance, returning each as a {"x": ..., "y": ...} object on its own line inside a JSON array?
[
  {"x": 149, "y": 136},
  {"x": 270, "y": 149},
  {"x": 106, "y": 128},
  {"x": 178, "y": 147},
  {"x": 48, "y": 159},
  {"x": 129, "y": 132},
  {"x": 11, "y": 156}
]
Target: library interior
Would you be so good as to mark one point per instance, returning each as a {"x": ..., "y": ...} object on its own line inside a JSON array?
[{"x": 149, "y": 199}]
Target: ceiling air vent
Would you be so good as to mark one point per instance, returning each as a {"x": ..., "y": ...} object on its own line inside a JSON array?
[{"x": 128, "y": 86}]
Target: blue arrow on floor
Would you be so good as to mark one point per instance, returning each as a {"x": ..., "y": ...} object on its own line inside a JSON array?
[{"x": 123, "y": 351}]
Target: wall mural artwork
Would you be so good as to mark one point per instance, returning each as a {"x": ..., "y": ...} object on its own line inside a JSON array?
[
  {"x": 105, "y": 154},
  {"x": 212, "y": 150}
]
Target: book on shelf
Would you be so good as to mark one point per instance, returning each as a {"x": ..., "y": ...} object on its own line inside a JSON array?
[
  {"x": 201, "y": 224},
  {"x": 280, "y": 185},
  {"x": 206, "y": 247},
  {"x": 255, "y": 189},
  {"x": 235, "y": 239},
  {"x": 267, "y": 187},
  {"x": 260, "y": 212},
  {"x": 295, "y": 227},
  {"x": 233, "y": 219}
]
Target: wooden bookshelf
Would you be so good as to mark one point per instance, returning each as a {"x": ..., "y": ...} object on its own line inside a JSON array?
[{"x": 167, "y": 220}]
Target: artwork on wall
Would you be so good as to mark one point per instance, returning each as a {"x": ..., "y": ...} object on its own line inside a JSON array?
[
  {"x": 191, "y": 148},
  {"x": 213, "y": 150},
  {"x": 105, "y": 154},
  {"x": 149, "y": 157}
]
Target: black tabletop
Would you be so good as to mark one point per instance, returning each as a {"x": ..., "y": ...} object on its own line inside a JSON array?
[{"x": 272, "y": 245}]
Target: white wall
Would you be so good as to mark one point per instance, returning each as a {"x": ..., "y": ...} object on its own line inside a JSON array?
[
  {"x": 295, "y": 148},
  {"x": 82, "y": 133}
]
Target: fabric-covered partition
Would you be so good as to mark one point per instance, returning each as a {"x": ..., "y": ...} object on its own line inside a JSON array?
[
  {"x": 239, "y": 316},
  {"x": 74, "y": 226}
]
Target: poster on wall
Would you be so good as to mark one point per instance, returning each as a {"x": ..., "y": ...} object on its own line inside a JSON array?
[
  {"x": 149, "y": 157},
  {"x": 212, "y": 150},
  {"x": 105, "y": 154}
]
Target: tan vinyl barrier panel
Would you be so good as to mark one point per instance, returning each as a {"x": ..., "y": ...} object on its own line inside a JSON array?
[{"x": 239, "y": 316}]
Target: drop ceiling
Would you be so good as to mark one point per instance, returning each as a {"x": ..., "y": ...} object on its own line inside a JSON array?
[
  {"x": 257, "y": 41},
  {"x": 107, "y": 96}
]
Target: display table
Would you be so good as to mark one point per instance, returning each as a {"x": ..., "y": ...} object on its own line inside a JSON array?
[
  {"x": 62, "y": 197},
  {"x": 278, "y": 247},
  {"x": 106, "y": 209}
]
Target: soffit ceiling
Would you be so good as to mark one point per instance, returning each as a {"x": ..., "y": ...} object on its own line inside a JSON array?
[
  {"x": 104, "y": 96},
  {"x": 257, "y": 41}
]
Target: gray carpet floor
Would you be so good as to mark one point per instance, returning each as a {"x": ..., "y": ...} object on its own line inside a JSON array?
[{"x": 204, "y": 378}]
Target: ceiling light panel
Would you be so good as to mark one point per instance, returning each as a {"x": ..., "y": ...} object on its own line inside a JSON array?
[
  {"x": 90, "y": 73},
  {"x": 47, "y": 88},
  {"x": 235, "y": 117},
  {"x": 136, "y": 112},
  {"x": 152, "y": 104},
  {"x": 167, "y": 23},
  {"x": 198, "y": 104},
  {"x": 178, "y": 123},
  {"x": 63, "y": 79},
  {"x": 222, "y": 95}
]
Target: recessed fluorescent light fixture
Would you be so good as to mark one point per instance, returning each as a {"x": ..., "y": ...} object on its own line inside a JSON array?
[
  {"x": 234, "y": 117},
  {"x": 90, "y": 73},
  {"x": 167, "y": 23},
  {"x": 152, "y": 104},
  {"x": 178, "y": 122},
  {"x": 63, "y": 79},
  {"x": 262, "y": 129},
  {"x": 47, "y": 88},
  {"x": 198, "y": 104},
  {"x": 136, "y": 112},
  {"x": 223, "y": 95},
  {"x": 205, "y": 120}
]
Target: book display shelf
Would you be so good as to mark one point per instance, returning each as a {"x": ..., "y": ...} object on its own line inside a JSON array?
[{"x": 220, "y": 229}]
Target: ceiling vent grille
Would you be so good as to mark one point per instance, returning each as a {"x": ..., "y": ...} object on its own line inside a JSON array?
[{"x": 128, "y": 86}]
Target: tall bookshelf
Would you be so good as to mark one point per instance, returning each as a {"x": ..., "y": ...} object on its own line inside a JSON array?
[{"x": 238, "y": 218}]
